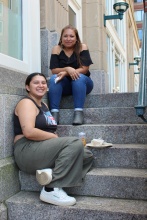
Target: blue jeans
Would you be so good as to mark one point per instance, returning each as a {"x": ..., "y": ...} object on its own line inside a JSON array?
[{"x": 78, "y": 88}]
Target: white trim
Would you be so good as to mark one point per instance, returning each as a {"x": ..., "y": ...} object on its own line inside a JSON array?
[
  {"x": 116, "y": 47},
  {"x": 76, "y": 6},
  {"x": 31, "y": 43},
  {"x": 1, "y": 32},
  {"x": 111, "y": 67},
  {"x": 114, "y": 36},
  {"x": 2, "y": 7}
]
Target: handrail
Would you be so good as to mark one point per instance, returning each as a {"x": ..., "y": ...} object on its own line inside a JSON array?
[{"x": 142, "y": 96}]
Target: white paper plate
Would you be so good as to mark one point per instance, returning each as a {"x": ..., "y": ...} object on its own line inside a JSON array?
[{"x": 99, "y": 146}]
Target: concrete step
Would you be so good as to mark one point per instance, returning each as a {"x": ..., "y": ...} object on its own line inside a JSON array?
[
  {"x": 121, "y": 156},
  {"x": 103, "y": 100},
  {"x": 26, "y": 205},
  {"x": 112, "y": 133},
  {"x": 105, "y": 115},
  {"x": 9, "y": 180},
  {"x": 104, "y": 182},
  {"x": 114, "y": 183},
  {"x": 3, "y": 212}
]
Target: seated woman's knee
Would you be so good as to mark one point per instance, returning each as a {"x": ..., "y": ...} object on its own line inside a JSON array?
[
  {"x": 79, "y": 146},
  {"x": 52, "y": 78},
  {"x": 82, "y": 77}
]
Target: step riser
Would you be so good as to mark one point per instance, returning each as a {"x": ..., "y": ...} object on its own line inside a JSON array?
[
  {"x": 102, "y": 116},
  {"x": 112, "y": 187},
  {"x": 121, "y": 157},
  {"x": 117, "y": 134},
  {"x": 103, "y": 100},
  {"x": 98, "y": 185},
  {"x": 52, "y": 213}
]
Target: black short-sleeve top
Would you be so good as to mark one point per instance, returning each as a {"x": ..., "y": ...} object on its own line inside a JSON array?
[
  {"x": 61, "y": 60},
  {"x": 44, "y": 120}
]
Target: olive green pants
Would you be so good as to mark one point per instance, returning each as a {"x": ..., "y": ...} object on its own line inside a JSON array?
[{"x": 66, "y": 156}]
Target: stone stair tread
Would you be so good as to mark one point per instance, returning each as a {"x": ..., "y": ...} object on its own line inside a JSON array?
[
  {"x": 104, "y": 107},
  {"x": 140, "y": 173},
  {"x": 104, "y": 125},
  {"x": 96, "y": 205},
  {"x": 130, "y": 146},
  {"x": 113, "y": 125}
]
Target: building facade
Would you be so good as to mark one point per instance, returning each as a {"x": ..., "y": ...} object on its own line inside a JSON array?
[
  {"x": 30, "y": 28},
  {"x": 139, "y": 13},
  {"x": 28, "y": 31}
]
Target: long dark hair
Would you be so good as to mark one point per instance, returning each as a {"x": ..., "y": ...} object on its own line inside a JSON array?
[
  {"x": 78, "y": 45},
  {"x": 29, "y": 78}
]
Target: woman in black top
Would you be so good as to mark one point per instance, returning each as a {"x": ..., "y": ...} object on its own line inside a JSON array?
[
  {"x": 69, "y": 63},
  {"x": 57, "y": 161}
]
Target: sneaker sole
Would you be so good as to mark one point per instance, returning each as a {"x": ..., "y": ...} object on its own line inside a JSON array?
[
  {"x": 53, "y": 202},
  {"x": 43, "y": 178}
]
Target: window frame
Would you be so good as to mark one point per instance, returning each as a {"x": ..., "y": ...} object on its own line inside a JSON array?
[
  {"x": 1, "y": 30},
  {"x": 31, "y": 41},
  {"x": 2, "y": 8},
  {"x": 138, "y": 1},
  {"x": 76, "y": 6},
  {"x": 140, "y": 13},
  {"x": 140, "y": 34}
]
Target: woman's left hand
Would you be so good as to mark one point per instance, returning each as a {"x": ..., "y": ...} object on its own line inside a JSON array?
[{"x": 74, "y": 74}]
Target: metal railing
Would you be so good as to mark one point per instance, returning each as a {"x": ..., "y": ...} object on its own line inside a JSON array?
[{"x": 142, "y": 96}]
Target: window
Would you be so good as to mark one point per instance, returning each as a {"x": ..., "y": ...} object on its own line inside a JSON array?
[
  {"x": 12, "y": 34},
  {"x": 139, "y": 15},
  {"x": 140, "y": 34},
  {"x": 138, "y": 0},
  {"x": 20, "y": 48},
  {"x": 109, "y": 6},
  {"x": 116, "y": 68}
]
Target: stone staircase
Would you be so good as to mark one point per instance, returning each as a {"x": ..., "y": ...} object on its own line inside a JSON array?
[{"x": 116, "y": 187}]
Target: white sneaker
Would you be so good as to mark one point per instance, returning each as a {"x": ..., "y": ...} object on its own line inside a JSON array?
[
  {"x": 44, "y": 176},
  {"x": 57, "y": 197}
]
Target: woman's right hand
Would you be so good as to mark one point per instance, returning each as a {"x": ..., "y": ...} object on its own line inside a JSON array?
[{"x": 60, "y": 76}]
